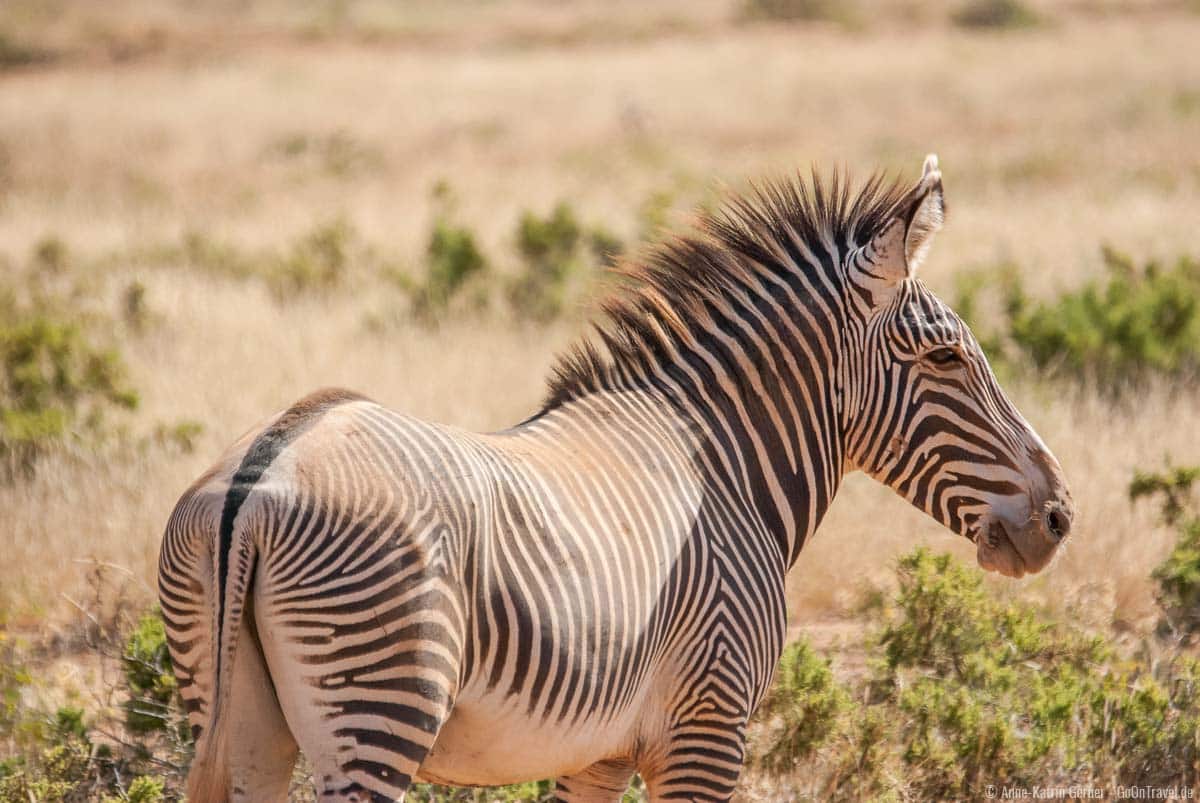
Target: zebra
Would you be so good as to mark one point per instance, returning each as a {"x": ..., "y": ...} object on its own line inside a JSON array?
[{"x": 598, "y": 590}]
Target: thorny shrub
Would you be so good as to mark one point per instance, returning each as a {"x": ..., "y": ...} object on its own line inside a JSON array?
[{"x": 1115, "y": 331}]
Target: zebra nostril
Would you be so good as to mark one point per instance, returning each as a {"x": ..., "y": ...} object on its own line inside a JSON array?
[{"x": 1058, "y": 523}]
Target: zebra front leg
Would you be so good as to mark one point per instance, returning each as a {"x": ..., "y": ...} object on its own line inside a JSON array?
[
  {"x": 603, "y": 782},
  {"x": 701, "y": 760}
]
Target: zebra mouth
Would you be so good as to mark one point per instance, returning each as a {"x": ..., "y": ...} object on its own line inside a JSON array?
[{"x": 996, "y": 551}]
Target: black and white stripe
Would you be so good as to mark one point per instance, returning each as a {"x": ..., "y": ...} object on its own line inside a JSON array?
[{"x": 600, "y": 589}]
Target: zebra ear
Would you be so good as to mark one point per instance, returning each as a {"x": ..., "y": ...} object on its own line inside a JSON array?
[{"x": 898, "y": 250}]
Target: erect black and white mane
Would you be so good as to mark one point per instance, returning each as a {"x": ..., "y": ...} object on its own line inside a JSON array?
[{"x": 671, "y": 288}]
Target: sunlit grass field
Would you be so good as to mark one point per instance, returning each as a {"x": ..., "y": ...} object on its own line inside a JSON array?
[{"x": 129, "y": 131}]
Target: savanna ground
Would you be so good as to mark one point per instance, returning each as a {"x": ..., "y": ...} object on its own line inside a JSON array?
[{"x": 176, "y": 166}]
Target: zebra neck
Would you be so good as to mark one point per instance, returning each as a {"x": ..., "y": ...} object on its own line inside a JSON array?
[
  {"x": 758, "y": 414},
  {"x": 754, "y": 355},
  {"x": 769, "y": 414}
]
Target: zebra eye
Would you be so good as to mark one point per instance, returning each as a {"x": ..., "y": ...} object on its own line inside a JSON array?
[{"x": 944, "y": 357}]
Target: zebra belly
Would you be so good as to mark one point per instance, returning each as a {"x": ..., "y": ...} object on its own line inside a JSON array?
[{"x": 486, "y": 743}]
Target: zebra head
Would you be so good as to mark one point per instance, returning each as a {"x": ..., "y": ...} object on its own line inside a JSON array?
[{"x": 925, "y": 414}]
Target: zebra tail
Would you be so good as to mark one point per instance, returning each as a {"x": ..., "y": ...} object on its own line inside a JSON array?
[{"x": 209, "y": 780}]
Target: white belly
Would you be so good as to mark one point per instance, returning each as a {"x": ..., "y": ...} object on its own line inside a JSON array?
[{"x": 489, "y": 742}]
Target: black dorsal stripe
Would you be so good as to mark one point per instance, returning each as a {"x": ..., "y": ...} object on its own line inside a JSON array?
[{"x": 294, "y": 422}]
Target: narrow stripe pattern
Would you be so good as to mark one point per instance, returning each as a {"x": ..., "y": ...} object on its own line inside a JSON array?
[{"x": 598, "y": 590}]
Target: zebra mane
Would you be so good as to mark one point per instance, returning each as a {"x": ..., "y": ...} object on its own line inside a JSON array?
[{"x": 669, "y": 291}]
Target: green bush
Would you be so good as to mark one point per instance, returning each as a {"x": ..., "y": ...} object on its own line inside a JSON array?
[
  {"x": 967, "y": 690},
  {"x": 794, "y": 10},
  {"x": 67, "y": 754},
  {"x": 532, "y": 792},
  {"x": 985, "y": 691},
  {"x": 15, "y": 53},
  {"x": 57, "y": 774},
  {"x": 1178, "y": 576},
  {"x": 180, "y": 436},
  {"x": 605, "y": 246},
  {"x": 946, "y": 619},
  {"x": 453, "y": 258},
  {"x": 339, "y": 153},
  {"x": 50, "y": 255},
  {"x": 801, "y": 710},
  {"x": 152, "y": 703},
  {"x": 430, "y": 793},
  {"x": 66, "y": 765},
  {"x": 1173, "y": 487},
  {"x": 59, "y": 380},
  {"x": 558, "y": 256},
  {"x": 142, "y": 789},
  {"x": 862, "y": 766},
  {"x": 15, "y": 677},
  {"x": 453, "y": 262},
  {"x": 54, "y": 383},
  {"x": 1131, "y": 323},
  {"x": 326, "y": 257},
  {"x": 552, "y": 255},
  {"x": 134, "y": 307},
  {"x": 318, "y": 261},
  {"x": 549, "y": 243},
  {"x": 202, "y": 252},
  {"x": 549, "y": 248},
  {"x": 995, "y": 14},
  {"x": 654, "y": 215}
]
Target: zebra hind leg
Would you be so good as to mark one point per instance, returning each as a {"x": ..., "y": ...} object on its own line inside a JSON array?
[
  {"x": 262, "y": 751},
  {"x": 366, "y": 730},
  {"x": 367, "y": 706},
  {"x": 364, "y": 641},
  {"x": 603, "y": 782}
]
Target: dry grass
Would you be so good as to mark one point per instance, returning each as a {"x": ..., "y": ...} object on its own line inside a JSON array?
[{"x": 1053, "y": 141}]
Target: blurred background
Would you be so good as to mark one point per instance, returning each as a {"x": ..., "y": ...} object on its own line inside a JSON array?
[{"x": 209, "y": 209}]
